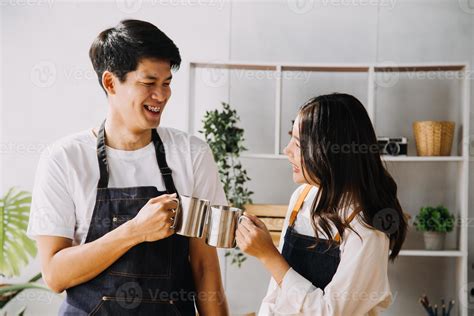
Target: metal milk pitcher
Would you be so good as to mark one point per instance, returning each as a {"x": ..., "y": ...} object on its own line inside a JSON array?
[
  {"x": 222, "y": 222},
  {"x": 190, "y": 218}
]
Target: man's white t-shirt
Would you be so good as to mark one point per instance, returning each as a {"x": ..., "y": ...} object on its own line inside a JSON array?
[{"x": 66, "y": 180}]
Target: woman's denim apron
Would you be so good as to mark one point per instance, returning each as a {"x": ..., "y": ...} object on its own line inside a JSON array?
[
  {"x": 317, "y": 264},
  {"x": 152, "y": 278}
]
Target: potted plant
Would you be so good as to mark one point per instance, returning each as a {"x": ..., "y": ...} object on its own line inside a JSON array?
[
  {"x": 434, "y": 222},
  {"x": 16, "y": 249},
  {"x": 226, "y": 141}
]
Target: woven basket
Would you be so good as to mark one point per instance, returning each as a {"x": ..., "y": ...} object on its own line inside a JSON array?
[{"x": 433, "y": 138}]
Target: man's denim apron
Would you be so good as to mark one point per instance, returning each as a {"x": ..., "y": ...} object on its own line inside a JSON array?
[
  {"x": 152, "y": 278},
  {"x": 317, "y": 264}
]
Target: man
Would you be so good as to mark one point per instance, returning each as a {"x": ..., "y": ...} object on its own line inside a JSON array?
[{"x": 104, "y": 199}]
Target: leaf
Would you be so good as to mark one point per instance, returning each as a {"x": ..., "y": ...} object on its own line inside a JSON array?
[
  {"x": 226, "y": 139},
  {"x": 434, "y": 219},
  {"x": 23, "y": 286},
  {"x": 22, "y": 311},
  {"x": 19, "y": 290},
  {"x": 16, "y": 249}
]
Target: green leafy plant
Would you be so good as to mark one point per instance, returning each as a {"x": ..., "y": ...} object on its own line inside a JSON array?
[
  {"x": 434, "y": 219},
  {"x": 16, "y": 249},
  {"x": 226, "y": 140}
]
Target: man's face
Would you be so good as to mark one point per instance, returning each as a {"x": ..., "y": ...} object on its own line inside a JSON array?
[{"x": 140, "y": 100}]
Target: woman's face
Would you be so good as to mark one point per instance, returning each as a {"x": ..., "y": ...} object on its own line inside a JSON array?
[{"x": 293, "y": 152}]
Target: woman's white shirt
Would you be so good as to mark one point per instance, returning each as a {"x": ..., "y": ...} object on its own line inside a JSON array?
[{"x": 359, "y": 287}]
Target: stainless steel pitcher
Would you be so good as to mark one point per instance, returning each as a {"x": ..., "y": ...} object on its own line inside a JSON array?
[
  {"x": 190, "y": 218},
  {"x": 222, "y": 222}
]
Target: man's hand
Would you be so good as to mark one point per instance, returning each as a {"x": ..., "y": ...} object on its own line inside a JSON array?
[
  {"x": 59, "y": 258},
  {"x": 154, "y": 221}
]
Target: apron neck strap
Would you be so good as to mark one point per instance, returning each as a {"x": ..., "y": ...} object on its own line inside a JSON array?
[
  {"x": 166, "y": 172},
  {"x": 160, "y": 158},
  {"x": 102, "y": 157},
  {"x": 349, "y": 219},
  {"x": 299, "y": 204}
]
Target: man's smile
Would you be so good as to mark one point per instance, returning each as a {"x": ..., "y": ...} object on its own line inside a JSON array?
[{"x": 154, "y": 109}]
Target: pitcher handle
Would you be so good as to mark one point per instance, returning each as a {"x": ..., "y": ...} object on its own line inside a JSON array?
[
  {"x": 176, "y": 214},
  {"x": 241, "y": 217}
]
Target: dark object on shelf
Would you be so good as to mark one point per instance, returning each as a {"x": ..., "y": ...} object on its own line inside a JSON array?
[
  {"x": 393, "y": 146},
  {"x": 445, "y": 311}
]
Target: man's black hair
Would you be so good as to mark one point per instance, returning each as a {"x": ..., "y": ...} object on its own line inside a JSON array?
[{"x": 119, "y": 49}]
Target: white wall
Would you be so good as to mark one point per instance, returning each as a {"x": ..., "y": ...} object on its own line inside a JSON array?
[{"x": 54, "y": 37}]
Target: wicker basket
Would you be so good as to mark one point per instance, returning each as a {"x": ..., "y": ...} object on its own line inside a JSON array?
[{"x": 433, "y": 138}]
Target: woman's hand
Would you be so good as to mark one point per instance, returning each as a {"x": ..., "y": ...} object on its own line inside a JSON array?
[{"x": 254, "y": 239}]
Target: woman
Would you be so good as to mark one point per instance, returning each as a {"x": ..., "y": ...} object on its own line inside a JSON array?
[{"x": 343, "y": 223}]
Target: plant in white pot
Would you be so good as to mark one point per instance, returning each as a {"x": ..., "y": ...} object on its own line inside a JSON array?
[{"x": 434, "y": 222}]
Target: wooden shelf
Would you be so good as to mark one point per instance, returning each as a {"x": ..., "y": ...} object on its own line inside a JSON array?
[
  {"x": 419, "y": 68},
  {"x": 422, "y": 159},
  {"x": 327, "y": 68},
  {"x": 247, "y": 66},
  {"x": 431, "y": 253},
  {"x": 384, "y": 157},
  {"x": 264, "y": 156},
  {"x": 332, "y": 67}
]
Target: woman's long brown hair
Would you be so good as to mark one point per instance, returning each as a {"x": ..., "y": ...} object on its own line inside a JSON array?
[{"x": 339, "y": 153}]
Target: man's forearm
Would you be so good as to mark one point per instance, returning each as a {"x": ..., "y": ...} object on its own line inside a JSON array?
[
  {"x": 210, "y": 296},
  {"x": 77, "y": 264}
]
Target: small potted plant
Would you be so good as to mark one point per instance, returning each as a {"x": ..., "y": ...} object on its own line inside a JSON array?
[
  {"x": 434, "y": 222},
  {"x": 226, "y": 140}
]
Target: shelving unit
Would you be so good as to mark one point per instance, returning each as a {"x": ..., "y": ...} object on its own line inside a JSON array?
[
  {"x": 371, "y": 71},
  {"x": 431, "y": 253},
  {"x": 384, "y": 158}
]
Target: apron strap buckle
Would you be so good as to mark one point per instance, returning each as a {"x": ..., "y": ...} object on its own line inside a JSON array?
[{"x": 166, "y": 171}]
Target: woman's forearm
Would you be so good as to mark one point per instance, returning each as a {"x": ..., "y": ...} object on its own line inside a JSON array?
[
  {"x": 74, "y": 265},
  {"x": 276, "y": 264}
]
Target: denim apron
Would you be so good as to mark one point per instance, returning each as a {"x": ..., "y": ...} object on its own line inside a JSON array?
[
  {"x": 317, "y": 264},
  {"x": 152, "y": 278}
]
